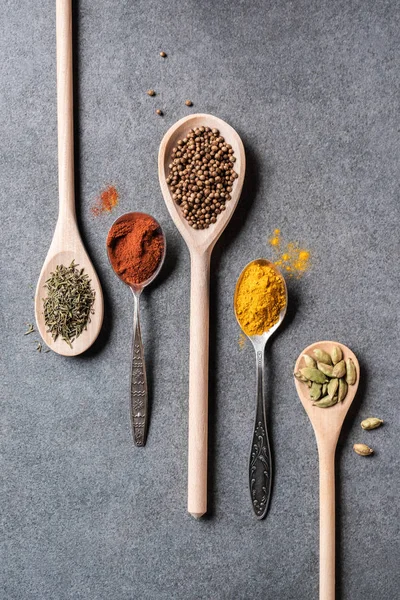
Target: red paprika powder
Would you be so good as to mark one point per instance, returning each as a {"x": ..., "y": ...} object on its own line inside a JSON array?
[
  {"x": 106, "y": 202},
  {"x": 135, "y": 247}
]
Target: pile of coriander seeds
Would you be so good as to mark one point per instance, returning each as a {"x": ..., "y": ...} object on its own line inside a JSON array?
[{"x": 201, "y": 176}]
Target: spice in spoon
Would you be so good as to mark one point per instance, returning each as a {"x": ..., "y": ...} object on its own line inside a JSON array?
[
  {"x": 135, "y": 246},
  {"x": 69, "y": 302},
  {"x": 327, "y": 375},
  {"x": 201, "y": 175},
  {"x": 259, "y": 299}
]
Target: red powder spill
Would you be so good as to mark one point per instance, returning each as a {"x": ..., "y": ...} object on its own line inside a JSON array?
[{"x": 106, "y": 202}]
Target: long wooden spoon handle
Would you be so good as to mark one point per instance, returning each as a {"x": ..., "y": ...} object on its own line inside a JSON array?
[
  {"x": 65, "y": 109},
  {"x": 198, "y": 384},
  {"x": 326, "y": 523}
]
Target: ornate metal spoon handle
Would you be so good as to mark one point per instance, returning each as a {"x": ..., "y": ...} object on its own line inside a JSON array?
[
  {"x": 260, "y": 456},
  {"x": 139, "y": 397}
]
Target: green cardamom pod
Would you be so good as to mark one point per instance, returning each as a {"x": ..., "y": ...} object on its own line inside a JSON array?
[
  {"x": 351, "y": 373},
  {"x": 326, "y": 402},
  {"x": 336, "y": 354},
  {"x": 315, "y": 391},
  {"x": 300, "y": 377},
  {"x": 333, "y": 387},
  {"x": 322, "y": 356},
  {"x": 324, "y": 389},
  {"x": 309, "y": 361},
  {"x": 339, "y": 370},
  {"x": 313, "y": 374},
  {"x": 326, "y": 369},
  {"x": 371, "y": 422},
  {"x": 342, "y": 390},
  {"x": 363, "y": 449}
]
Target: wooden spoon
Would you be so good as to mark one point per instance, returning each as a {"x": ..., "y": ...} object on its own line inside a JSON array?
[
  {"x": 327, "y": 424},
  {"x": 200, "y": 244},
  {"x": 67, "y": 244}
]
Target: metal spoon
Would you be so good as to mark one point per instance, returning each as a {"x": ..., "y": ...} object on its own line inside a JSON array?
[
  {"x": 260, "y": 466},
  {"x": 138, "y": 387}
]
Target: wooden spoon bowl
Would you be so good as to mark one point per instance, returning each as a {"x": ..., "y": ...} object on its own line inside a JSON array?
[
  {"x": 57, "y": 256},
  {"x": 200, "y": 243},
  {"x": 327, "y": 424},
  {"x": 200, "y": 239}
]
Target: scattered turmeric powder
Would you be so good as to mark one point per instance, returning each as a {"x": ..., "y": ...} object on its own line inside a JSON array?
[
  {"x": 275, "y": 240},
  {"x": 292, "y": 259},
  {"x": 107, "y": 200},
  {"x": 259, "y": 298},
  {"x": 242, "y": 340}
]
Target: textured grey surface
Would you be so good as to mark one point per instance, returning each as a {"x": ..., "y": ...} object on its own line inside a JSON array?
[{"x": 313, "y": 89}]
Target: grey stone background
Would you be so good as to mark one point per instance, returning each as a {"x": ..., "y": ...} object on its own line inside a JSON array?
[{"x": 313, "y": 89}]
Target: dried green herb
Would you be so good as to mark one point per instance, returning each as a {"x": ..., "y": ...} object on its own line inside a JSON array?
[
  {"x": 30, "y": 329},
  {"x": 69, "y": 302}
]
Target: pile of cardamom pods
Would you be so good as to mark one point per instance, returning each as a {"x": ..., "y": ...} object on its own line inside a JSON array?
[{"x": 328, "y": 376}]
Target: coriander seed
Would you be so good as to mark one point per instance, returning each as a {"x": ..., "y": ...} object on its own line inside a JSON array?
[
  {"x": 151, "y": 93},
  {"x": 201, "y": 175},
  {"x": 159, "y": 112},
  {"x": 189, "y": 103},
  {"x": 163, "y": 55}
]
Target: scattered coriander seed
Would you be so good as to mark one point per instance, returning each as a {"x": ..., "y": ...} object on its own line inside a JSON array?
[
  {"x": 189, "y": 103},
  {"x": 201, "y": 176},
  {"x": 151, "y": 93},
  {"x": 159, "y": 112},
  {"x": 163, "y": 55}
]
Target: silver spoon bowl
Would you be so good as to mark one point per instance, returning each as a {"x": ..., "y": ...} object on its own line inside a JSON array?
[
  {"x": 138, "y": 383},
  {"x": 260, "y": 464}
]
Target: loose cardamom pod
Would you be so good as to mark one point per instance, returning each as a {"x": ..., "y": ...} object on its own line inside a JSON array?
[
  {"x": 315, "y": 391},
  {"x": 326, "y": 369},
  {"x": 363, "y": 449},
  {"x": 309, "y": 361},
  {"x": 339, "y": 369},
  {"x": 324, "y": 389},
  {"x": 371, "y": 422},
  {"x": 326, "y": 402},
  {"x": 313, "y": 374},
  {"x": 333, "y": 387},
  {"x": 300, "y": 377},
  {"x": 342, "y": 391},
  {"x": 322, "y": 356},
  {"x": 336, "y": 354},
  {"x": 351, "y": 373}
]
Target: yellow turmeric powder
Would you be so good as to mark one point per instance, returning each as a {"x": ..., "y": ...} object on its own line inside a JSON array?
[
  {"x": 259, "y": 299},
  {"x": 290, "y": 257}
]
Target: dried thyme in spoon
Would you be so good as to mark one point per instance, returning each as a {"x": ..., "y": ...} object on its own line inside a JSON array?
[{"x": 69, "y": 302}]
